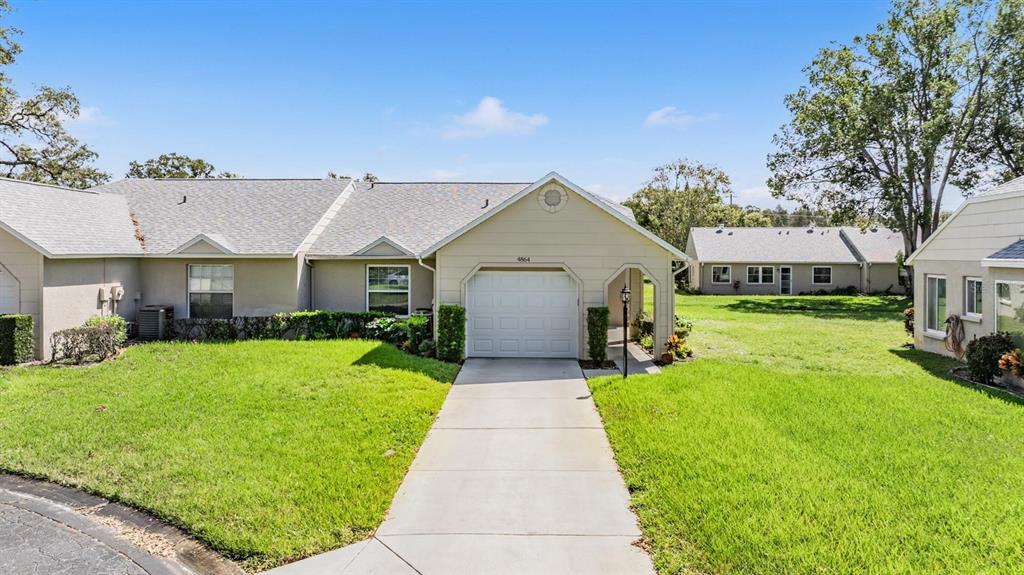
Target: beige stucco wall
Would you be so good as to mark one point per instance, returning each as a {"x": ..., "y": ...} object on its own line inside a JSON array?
[
  {"x": 590, "y": 243},
  {"x": 879, "y": 277},
  {"x": 341, "y": 284},
  {"x": 843, "y": 275},
  {"x": 71, "y": 292},
  {"x": 26, "y": 264},
  {"x": 263, "y": 286},
  {"x": 636, "y": 303}
]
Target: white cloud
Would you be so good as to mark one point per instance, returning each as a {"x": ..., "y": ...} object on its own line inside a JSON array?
[
  {"x": 90, "y": 116},
  {"x": 442, "y": 174},
  {"x": 672, "y": 116},
  {"x": 491, "y": 117}
]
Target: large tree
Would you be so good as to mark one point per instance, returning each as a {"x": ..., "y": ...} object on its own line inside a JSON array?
[
  {"x": 886, "y": 124},
  {"x": 1002, "y": 144},
  {"x": 175, "y": 166},
  {"x": 34, "y": 144},
  {"x": 687, "y": 194}
]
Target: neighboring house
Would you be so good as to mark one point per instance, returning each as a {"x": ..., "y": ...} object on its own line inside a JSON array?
[
  {"x": 972, "y": 266},
  {"x": 793, "y": 260},
  {"x": 526, "y": 260}
]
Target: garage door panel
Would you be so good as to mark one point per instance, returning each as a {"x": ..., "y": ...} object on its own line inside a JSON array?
[{"x": 522, "y": 314}]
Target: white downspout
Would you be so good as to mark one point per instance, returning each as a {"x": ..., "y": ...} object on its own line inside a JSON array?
[{"x": 433, "y": 297}]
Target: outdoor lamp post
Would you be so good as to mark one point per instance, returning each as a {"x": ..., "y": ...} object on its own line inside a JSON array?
[{"x": 624, "y": 295}]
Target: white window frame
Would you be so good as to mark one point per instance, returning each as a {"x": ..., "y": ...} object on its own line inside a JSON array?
[
  {"x": 817, "y": 283},
  {"x": 189, "y": 291},
  {"x": 366, "y": 287},
  {"x": 728, "y": 281},
  {"x": 928, "y": 307},
  {"x": 760, "y": 275},
  {"x": 976, "y": 314},
  {"x": 996, "y": 301}
]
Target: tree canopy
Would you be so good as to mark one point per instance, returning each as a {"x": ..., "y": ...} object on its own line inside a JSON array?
[
  {"x": 34, "y": 145},
  {"x": 175, "y": 166},
  {"x": 886, "y": 123}
]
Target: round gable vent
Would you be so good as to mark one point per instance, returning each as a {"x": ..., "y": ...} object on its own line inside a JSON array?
[{"x": 552, "y": 198}]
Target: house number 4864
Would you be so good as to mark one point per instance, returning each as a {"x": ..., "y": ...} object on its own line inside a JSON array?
[{"x": 523, "y": 259}]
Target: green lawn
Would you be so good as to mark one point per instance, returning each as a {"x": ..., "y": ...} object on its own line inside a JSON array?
[
  {"x": 806, "y": 439},
  {"x": 266, "y": 450}
]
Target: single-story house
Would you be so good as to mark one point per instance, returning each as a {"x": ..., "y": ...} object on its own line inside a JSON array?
[
  {"x": 793, "y": 260},
  {"x": 525, "y": 259},
  {"x": 972, "y": 266}
]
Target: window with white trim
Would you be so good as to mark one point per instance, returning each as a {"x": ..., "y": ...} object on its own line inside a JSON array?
[
  {"x": 387, "y": 289},
  {"x": 821, "y": 275},
  {"x": 760, "y": 274},
  {"x": 973, "y": 297},
  {"x": 721, "y": 274},
  {"x": 935, "y": 299},
  {"x": 211, "y": 291},
  {"x": 1010, "y": 308}
]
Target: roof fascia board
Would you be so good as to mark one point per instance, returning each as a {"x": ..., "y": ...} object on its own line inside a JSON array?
[
  {"x": 25, "y": 239},
  {"x": 386, "y": 241},
  {"x": 1002, "y": 263},
  {"x": 369, "y": 257},
  {"x": 556, "y": 177}
]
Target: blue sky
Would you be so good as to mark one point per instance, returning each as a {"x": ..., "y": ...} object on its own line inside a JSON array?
[{"x": 600, "y": 92}]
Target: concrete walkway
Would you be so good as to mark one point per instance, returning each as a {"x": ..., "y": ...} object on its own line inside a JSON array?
[{"x": 516, "y": 476}]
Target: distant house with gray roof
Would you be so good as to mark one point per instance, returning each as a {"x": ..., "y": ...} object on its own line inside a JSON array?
[
  {"x": 525, "y": 259},
  {"x": 972, "y": 267},
  {"x": 791, "y": 261}
]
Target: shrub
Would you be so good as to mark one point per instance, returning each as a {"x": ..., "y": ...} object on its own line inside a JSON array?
[
  {"x": 908, "y": 321},
  {"x": 426, "y": 348},
  {"x": 1013, "y": 362},
  {"x": 451, "y": 332},
  {"x": 116, "y": 323},
  {"x": 388, "y": 329},
  {"x": 419, "y": 329},
  {"x": 597, "y": 333},
  {"x": 984, "y": 353},
  {"x": 647, "y": 342},
  {"x": 17, "y": 344},
  {"x": 643, "y": 326},
  {"x": 78, "y": 344},
  {"x": 683, "y": 328},
  {"x": 321, "y": 324}
]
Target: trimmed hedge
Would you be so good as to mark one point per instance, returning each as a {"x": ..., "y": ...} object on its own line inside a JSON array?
[
  {"x": 597, "y": 333},
  {"x": 983, "y": 356},
  {"x": 78, "y": 344},
  {"x": 17, "y": 344},
  {"x": 419, "y": 331},
  {"x": 321, "y": 324},
  {"x": 451, "y": 332}
]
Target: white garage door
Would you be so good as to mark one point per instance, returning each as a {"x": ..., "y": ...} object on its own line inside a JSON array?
[
  {"x": 521, "y": 314},
  {"x": 9, "y": 293}
]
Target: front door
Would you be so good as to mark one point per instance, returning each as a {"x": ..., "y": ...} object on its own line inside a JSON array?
[{"x": 786, "y": 280}]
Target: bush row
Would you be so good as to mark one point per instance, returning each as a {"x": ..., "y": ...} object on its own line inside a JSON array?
[
  {"x": 97, "y": 339},
  {"x": 17, "y": 343}
]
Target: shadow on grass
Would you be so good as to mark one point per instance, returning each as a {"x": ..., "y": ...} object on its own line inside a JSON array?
[
  {"x": 940, "y": 366},
  {"x": 390, "y": 357},
  {"x": 866, "y": 308}
]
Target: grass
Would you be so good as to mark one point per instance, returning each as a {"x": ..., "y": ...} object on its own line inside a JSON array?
[
  {"x": 266, "y": 450},
  {"x": 806, "y": 439}
]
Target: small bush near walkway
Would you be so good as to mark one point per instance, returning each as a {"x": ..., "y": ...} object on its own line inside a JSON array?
[
  {"x": 17, "y": 344},
  {"x": 451, "y": 332},
  {"x": 597, "y": 333},
  {"x": 983, "y": 356}
]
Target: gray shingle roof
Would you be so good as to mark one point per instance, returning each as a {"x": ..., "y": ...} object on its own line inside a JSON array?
[
  {"x": 771, "y": 245},
  {"x": 253, "y": 217},
  {"x": 66, "y": 222},
  {"x": 1014, "y": 185},
  {"x": 876, "y": 245},
  {"x": 414, "y": 215},
  {"x": 1014, "y": 251}
]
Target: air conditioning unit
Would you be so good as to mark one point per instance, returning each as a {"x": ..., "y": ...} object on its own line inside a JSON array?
[{"x": 155, "y": 321}]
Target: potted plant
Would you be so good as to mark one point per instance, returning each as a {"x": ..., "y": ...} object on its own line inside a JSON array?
[
  {"x": 1012, "y": 364},
  {"x": 672, "y": 346}
]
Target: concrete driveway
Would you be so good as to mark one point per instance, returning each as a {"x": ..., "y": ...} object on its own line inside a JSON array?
[{"x": 516, "y": 476}]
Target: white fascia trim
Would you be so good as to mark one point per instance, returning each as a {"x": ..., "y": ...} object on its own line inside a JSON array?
[
  {"x": 366, "y": 258},
  {"x": 386, "y": 241},
  {"x": 1001, "y": 263},
  {"x": 24, "y": 239},
  {"x": 969, "y": 201},
  {"x": 325, "y": 220},
  {"x": 202, "y": 238},
  {"x": 556, "y": 177}
]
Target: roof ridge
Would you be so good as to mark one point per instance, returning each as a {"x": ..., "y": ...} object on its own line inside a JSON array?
[{"x": 55, "y": 186}]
